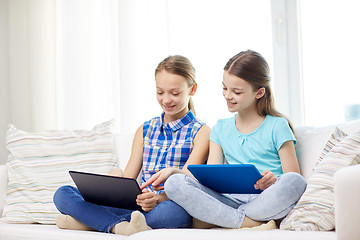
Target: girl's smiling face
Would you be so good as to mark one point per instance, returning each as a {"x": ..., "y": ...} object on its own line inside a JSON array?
[
  {"x": 239, "y": 94},
  {"x": 173, "y": 94}
]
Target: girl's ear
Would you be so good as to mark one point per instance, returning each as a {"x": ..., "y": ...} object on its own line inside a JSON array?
[
  {"x": 193, "y": 89},
  {"x": 260, "y": 93}
]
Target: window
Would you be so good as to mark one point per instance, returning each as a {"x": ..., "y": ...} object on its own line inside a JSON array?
[
  {"x": 209, "y": 33},
  {"x": 325, "y": 47},
  {"x": 107, "y": 69},
  {"x": 330, "y": 49}
]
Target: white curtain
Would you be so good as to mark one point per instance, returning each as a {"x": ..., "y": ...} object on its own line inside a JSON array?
[
  {"x": 31, "y": 64},
  {"x": 75, "y": 63},
  {"x": 106, "y": 55},
  {"x": 86, "y": 61},
  {"x": 27, "y": 67}
]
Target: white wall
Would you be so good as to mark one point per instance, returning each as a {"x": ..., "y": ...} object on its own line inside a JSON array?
[{"x": 4, "y": 75}]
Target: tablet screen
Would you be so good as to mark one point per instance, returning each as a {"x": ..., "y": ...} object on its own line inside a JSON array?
[{"x": 107, "y": 190}]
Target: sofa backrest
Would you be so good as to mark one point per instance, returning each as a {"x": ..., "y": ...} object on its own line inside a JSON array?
[
  {"x": 312, "y": 140},
  {"x": 310, "y": 143}
]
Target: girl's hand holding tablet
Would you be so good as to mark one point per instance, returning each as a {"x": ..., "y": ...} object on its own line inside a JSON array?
[
  {"x": 147, "y": 200},
  {"x": 266, "y": 181}
]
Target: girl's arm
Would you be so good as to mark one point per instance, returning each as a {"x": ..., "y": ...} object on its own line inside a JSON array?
[
  {"x": 289, "y": 163},
  {"x": 198, "y": 155},
  {"x": 200, "y": 151},
  {"x": 146, "y": 200},
  {"x": 216, "y": 155},
  {"x": 287, "y": 154},
  {"x": 134, "y": 164}
]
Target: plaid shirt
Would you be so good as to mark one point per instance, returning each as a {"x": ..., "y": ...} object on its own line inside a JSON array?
[{"x": 168, "y": 145}]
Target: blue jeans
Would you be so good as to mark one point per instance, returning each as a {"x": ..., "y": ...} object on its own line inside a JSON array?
[
  {"x": 229, "y": 210},
  {"x": 69, "y": 201}
]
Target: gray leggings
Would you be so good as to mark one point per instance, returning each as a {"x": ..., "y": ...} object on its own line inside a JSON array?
[{"x": 229, "y": 210}]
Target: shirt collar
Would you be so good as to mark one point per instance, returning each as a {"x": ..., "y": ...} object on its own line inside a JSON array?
[{"x": 179, "y": 123}]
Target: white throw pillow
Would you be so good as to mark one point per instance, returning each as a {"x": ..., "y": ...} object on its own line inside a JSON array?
[
  {"x": 315, "y": 209},
  {"x": 38, "y": 165}
]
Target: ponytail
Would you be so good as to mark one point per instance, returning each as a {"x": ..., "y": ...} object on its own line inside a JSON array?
[{"x": 191, "y": 106}]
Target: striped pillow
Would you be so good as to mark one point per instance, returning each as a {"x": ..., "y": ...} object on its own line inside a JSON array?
[
  {"x": 336, "y": 137},
  {"x": 315, "y": 209},
  {"x": 38, "y": 165}
]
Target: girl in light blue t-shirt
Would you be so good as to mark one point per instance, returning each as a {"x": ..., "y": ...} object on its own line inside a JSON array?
[{"x": 257, "y": 134}]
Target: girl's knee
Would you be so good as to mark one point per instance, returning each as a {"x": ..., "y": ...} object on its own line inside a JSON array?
[
  {"x": 61, "y": 194},
  {"x": 295, "y": 178},
  {"x": 168, "y": 214},
  {"x": 173, "y": 184},
  {"x": 294, "y": 181},
  {"x": 63, "y": 190}
]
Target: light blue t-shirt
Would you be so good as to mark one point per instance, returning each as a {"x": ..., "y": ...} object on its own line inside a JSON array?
[{"x": 259, "y": 148}]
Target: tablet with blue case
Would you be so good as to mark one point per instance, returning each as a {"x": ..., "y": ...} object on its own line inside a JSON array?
[{"x": 227, "y": 178}]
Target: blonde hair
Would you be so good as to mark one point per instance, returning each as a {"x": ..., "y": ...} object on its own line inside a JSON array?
[{"x": 181, "y": 66}]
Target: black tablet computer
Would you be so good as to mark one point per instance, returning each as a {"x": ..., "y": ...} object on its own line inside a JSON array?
[
  {"x": 107, "y": 190},
  {"x": 227, "y": 178}
]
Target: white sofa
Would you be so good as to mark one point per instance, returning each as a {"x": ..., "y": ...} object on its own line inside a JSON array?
[{"x": 311, "y": 141}]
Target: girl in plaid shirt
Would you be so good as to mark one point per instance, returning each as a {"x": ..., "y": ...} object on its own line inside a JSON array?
[{"x": 172, "y": 141}]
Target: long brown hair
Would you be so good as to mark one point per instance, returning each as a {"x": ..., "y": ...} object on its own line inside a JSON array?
[
  {"x": 252, "y": 67},
  {"x": 181, "y": 66}
]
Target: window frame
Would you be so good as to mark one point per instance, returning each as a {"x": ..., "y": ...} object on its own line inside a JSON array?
[{"x": 288, "y": 81}]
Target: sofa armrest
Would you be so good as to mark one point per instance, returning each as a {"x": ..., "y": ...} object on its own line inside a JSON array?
[
  {"x": 3, "y": 186},
  {"x": 347, "y": 203}
]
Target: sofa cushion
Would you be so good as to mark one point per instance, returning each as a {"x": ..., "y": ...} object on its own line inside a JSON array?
[
  {"x": 315, "y": 209},
  {"x": 51, "y": 232},
  {"x": 38, "y": 165}
]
